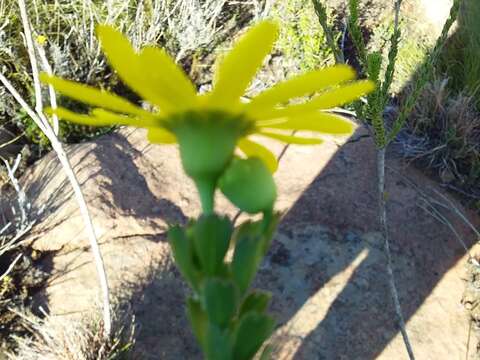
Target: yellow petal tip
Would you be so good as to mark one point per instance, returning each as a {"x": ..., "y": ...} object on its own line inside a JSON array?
[
  {"x": 102, "y": 29},
  {"x": 369, "y": 86},
  {"x": 45, "y": 78}
]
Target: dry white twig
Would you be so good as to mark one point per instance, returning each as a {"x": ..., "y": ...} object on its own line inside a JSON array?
[
  {"x": 51, "y": 91},
  {"x": 32, "y": 56},
  {"x": 451, "y": 206},
  {"x": 431, "y": 205},
  {"x": 42, "y": 122},
  {"x": 15, "y": 241},
  {"x": 22, "y": 202},
  {"x": 10, "y": 267},
  {"x": 71, "y": 339},
  {"x": 386, "y": 243}
]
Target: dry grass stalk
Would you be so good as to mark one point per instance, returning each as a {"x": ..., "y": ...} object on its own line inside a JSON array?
[
  {"x": 42, "y": 122},
  {"x": 73, "y": 339}
]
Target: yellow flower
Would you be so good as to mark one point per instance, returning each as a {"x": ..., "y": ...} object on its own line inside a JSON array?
[
  {"x": 181, "y": 115},
  {"x": 41, "y": 40}
]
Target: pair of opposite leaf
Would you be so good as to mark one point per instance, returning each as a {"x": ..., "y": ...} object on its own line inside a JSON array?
[{"x": 209, "y": 127}]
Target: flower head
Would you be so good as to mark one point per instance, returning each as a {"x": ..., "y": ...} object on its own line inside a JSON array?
[
  {"x": 41, "y": 40},
  {"x": 209, "y": 127}
]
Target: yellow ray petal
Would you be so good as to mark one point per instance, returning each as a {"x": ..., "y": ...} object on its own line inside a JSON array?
[
  {"x": 126, "y": 62},
  {"x": 318, "y": 121},
  {"x": 80, "y": 119},
  {"x": 253, "y": 149},
  {"x": 329, "y": 99},
  {"x": 160, "y": 136},
  {"x": 343, "y": 94},
  {"x": 302, "y": 85},
  {"x": 171, "y": 82},
  {"x": 290, "y": 139},
  {"x": 91, "y": 96},
  {"x": 112, "y": 118},
  {"x": 235, "y": 72}
]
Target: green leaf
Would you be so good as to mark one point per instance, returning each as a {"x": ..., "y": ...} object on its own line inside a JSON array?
[
  {"x": 257, "y": 301},
  {"x": 183, "y": 254},
  {"x": 221, "y": 301},
  {"x": 247, "y": 256},
  {"x": 211, "y": 238},
  {"x": 374, "y": 65},
  {"x": 270, "y": 223},
  {"x": 198, "y": 319},
  {"x": 219, "y": 344},
  {"x": 252, "y": 332}
]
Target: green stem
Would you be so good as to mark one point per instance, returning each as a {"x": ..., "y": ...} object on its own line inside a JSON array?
[{"x": 206, "y": 191}]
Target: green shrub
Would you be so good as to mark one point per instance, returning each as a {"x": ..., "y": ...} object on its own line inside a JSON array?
[
  {"x": 301, "y": 39},
  {"x": 460, "y": 61}
]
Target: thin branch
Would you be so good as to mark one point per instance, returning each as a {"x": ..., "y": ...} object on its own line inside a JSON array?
[
  {"x": 388, "y": 255},
  {"x": 459, "y": 213},
  {"x": 10, "y": 142},
  {"x": 381, "y": 151},
  {"x": 429, "y": 207},
  {"x": 31, "y": 54},
  {"x": 40, "y": 119},
  {"x": 436, "y": 214},
  {"x": 321, "y": 11},
  {"x": 22, "y": 202},
  {"x": 10, "y": 267},
  {"x": 65, "y": 162},
  {"x": 14, "y": 242},
  {"x": 51, "y": 91}
]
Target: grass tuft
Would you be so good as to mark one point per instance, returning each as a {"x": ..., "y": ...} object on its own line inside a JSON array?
[
  {"x": 449, "y": 123},
  {"x": 73, "y": 339}
]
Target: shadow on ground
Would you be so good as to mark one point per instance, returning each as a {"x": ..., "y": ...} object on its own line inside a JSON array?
[{"x": 326, "y": 268}]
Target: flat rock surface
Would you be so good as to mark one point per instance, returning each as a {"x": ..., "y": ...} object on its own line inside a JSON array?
[{"x": 326, "y": 267}]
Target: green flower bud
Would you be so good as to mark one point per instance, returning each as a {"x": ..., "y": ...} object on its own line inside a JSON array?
[{"x": 249, "y": 185}]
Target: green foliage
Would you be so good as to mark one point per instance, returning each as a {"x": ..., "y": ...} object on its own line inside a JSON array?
[
  {"x": 247, "y": 256},
  {"x": 257, "y": 301},
  {"x": 372, "y": 66},
  {"x": 377, "y": 99},
  {"x": 198, "y": 319},
  {"x": 184, "y": 254},
  {"x": 425, "y": 73},
  {"x": 221, "y": 297},
  {"x": 253, "y": 329},
  {"x": 413, "y": 51},
  {"x": 356, "y": 31},
  {"x": 459, "y": 59},
  {"x": 323, "y": 17},
  {"x": 228, "y": 322},
  {"x": 301, "y": 39},
  {"x": 450, "y": 124},
  {"x": 211, "y": 239},
  {"x": 218, "y": 345}
]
